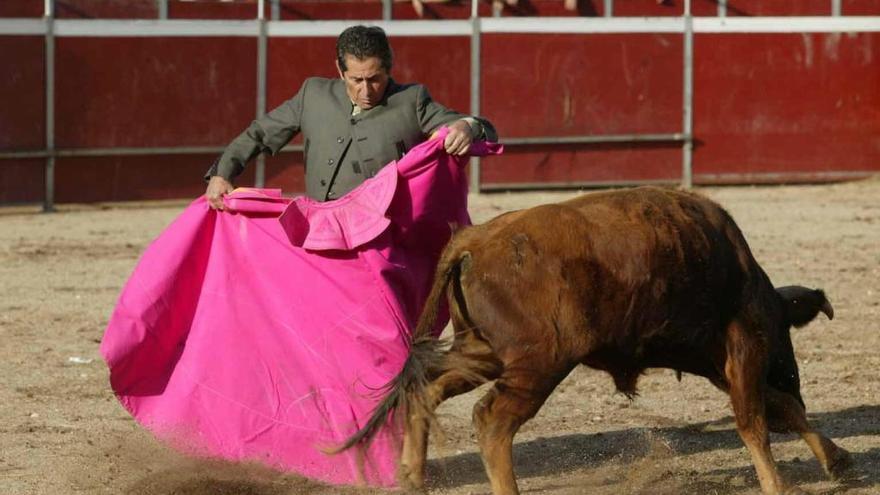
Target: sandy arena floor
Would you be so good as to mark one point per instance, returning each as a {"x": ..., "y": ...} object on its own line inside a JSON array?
[{"x": 63, "y": 432}]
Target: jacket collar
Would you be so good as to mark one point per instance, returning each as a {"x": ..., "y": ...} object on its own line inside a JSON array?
[{"x": 345, "y": 102}]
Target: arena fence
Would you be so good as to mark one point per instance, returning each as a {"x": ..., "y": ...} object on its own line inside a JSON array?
[{"x": 266, "y": 24}]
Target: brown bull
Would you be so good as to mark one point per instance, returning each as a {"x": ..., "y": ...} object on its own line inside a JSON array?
[{"x": 619, "y": 281}]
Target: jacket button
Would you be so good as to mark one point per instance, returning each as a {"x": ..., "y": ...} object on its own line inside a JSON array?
[
  {"x": 323, "y": 182},
  {"x": 331, "y": 194},
  {"x": 339, "y": 140},
  {"x": 330, "y": 162}
]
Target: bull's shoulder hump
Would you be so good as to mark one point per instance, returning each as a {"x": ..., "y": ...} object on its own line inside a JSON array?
[
  {"x": 645, "y": 198},
  {"x": 542, "y": 218},
  {"x": 547, "y": 215}
]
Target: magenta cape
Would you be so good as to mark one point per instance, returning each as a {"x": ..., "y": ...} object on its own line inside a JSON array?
[{"x": 249, "y": 338}]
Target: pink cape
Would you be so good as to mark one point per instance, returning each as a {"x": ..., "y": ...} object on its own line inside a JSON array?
[{"x": 248, "y": 338}]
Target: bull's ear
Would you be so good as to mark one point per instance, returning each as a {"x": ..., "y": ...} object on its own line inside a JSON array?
[{"x": 803, "y": 304}]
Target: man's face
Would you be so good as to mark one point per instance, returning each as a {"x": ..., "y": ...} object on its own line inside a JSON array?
[{"x": 365, "y": 80}]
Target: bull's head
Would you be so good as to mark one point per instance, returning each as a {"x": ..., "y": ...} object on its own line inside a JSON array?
[
  {"x": 800, "y": 306},
  {"x": 803, "y": 304}
]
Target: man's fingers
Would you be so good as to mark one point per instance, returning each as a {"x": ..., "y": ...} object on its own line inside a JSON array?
[
  {"x": 462, "y": 145},
  {"x": 448, "y": 142},
  {"x": 457, "y": 143},
  {"x": 217, "y": 188},
  {"x": 215, "y": 199},
  {"x": 216, "y": 202}
]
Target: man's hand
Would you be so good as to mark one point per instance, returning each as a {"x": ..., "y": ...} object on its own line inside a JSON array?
[
  {"x": 217, "y": 188},
  {"x": 459, "y": 139}
]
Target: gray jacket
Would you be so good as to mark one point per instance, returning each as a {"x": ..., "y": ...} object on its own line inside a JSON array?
[{"x": 342, "y": 150}]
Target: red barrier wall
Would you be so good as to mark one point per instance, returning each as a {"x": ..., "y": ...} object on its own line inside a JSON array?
[
  {"x": 153, "y": 92},
  {"x": 142, "y": 92},
  {"x": 22, "y": 117},
  {"x": 860, "y": 7},
  {"x": 21, "y": 8},
  {"x": 601, "y": 84},
  {"x": 803, "y": 105},
  {"x": 22, "y": 102},
  {"x": 767, "y": 107},
  {"x": 115, "y": 178},
  {"x": 22, "y": 181},
  {"x": 343, "y": 9},
  {"x": 778, "y": 7},
  {"x": 105, "y": 9}
]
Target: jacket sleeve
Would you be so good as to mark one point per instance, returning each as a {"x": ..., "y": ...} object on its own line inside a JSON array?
[
  {"x": 433, "y": 115},
  {"x": 268, "y": 134}
]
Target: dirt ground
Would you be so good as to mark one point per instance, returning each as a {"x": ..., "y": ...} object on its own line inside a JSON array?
[{"x": 62, "y": 431}]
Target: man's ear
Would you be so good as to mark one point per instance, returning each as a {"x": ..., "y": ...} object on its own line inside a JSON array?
[{"x": 339, "y": 69}]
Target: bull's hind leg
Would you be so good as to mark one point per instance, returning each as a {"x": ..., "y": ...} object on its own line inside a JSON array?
[
  {"x": 745, "y": 375},
  {"x": 516, "y": 397},
  {"x": 788, "y": 415},
  {"x": 468, "y": 364}
]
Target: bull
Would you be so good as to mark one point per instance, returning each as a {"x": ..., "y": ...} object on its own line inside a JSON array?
[{"x": 620, "y": 281}]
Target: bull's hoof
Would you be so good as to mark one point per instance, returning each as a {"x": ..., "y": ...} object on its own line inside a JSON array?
[
  {"x": 410, "y": 488},
  {"x": 409, "y": 481},
  {"x": 413, "y": 491},
  {"x": 840, "y": 464}
]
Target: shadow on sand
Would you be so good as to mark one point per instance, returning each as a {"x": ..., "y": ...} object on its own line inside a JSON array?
[
  {"x": 567, "y": 453},
  {"x": 632, "y": 460}
]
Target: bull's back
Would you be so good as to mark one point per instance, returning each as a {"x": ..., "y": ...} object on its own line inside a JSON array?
[{"x": 620, "y": 271}]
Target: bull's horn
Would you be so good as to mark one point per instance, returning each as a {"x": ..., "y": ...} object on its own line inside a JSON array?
[{"x": 828, "y": 310}]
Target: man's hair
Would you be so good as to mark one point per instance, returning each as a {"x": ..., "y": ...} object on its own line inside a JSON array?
[{"x": 363, "y": 42}]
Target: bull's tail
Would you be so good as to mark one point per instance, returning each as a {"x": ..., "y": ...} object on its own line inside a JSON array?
[{"x": 405, "y": 391}]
